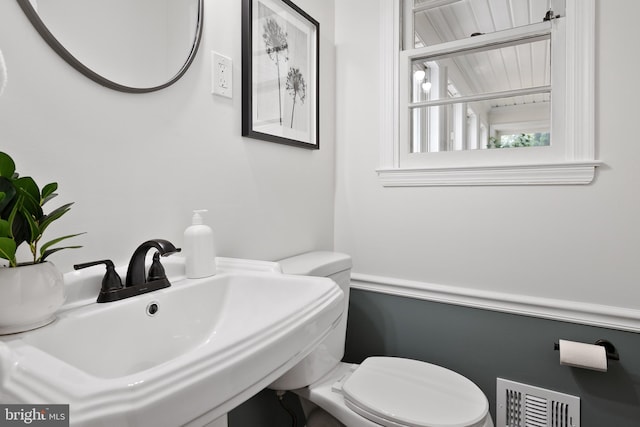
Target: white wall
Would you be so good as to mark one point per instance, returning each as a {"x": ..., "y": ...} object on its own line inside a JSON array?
[
  {"x": 577, "y": 243},
  {"x": 136, "y": 165}
]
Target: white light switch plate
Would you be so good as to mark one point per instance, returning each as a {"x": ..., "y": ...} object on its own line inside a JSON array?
[{"x": 221, "y": 75}]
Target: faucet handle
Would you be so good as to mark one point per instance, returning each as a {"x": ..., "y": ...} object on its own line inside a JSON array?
[
  {"x": 156, "y": 271},
  {"x": 111, "y": 280}
]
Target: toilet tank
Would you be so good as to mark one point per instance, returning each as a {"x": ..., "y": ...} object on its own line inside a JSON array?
[{"x": 329, "y": 352}]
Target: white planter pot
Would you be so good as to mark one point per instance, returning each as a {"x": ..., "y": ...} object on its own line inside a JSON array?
[{"x": 30, "y": 295}]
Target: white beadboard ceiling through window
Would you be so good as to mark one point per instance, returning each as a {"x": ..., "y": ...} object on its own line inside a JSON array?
[{"x": 525, "y": 65}]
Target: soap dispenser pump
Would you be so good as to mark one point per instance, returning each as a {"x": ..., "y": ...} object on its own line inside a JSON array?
[{"x": 199, "y": 248}]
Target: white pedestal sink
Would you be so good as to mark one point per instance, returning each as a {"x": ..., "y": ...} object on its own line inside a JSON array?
[{"x": 184, "y": 355}]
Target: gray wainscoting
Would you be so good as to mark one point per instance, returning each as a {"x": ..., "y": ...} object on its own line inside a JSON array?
[{"x": 483, "y": 345}]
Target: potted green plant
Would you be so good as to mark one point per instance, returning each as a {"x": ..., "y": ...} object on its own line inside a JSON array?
[{"x": 30, "y": 291}]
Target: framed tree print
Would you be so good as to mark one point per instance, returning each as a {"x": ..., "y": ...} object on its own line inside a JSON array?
[{"x": 280, "y": 73}]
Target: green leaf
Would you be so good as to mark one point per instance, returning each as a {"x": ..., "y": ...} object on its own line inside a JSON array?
[
  {"x": 20, "y": 230},
  {"x": 8, "y": 250},
  {"x": 5, "y": 228},
  {"x": 13, "y": 214},
  {"x": 34, "y": 229},
  {"x": 47, "y": 245},
  {"x": 49, "y": 197},
  {"x": 28, "y": 188},
  {"x": 7, "y": 166},
  {"x": 53, "y": 215},
  {"x": 28, "y": 185},
  {"x": 48, "y": 192},
  {"x": 19, "y": 227},
  {"x": 52, "y": 251},
  {"x": 9, "y": 191}
]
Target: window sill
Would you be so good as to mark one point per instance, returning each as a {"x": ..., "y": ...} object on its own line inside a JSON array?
[{"x": 569, "y": 173}]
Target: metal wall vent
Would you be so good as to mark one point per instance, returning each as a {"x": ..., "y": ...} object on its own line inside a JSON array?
[{"x": 523, "y": 405}]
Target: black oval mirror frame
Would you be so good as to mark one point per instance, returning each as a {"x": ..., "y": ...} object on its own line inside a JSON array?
[{"x": 37, "y": 23}]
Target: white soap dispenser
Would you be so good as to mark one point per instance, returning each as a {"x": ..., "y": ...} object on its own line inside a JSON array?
[{"x": 198, "y": 248}]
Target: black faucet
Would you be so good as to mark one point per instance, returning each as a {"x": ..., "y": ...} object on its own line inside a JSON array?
[
  {"x": 137, "y": 281},
  {"x": 136, "y": 274}
]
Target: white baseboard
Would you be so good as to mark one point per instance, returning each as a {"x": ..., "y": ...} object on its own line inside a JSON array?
[{"x": 563, "y": 310}]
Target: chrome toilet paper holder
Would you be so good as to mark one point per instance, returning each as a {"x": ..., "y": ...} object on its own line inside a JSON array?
[{"x": 610, "y": 349}]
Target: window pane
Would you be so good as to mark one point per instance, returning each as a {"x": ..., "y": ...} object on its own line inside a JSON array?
[
  {"x": 439, "y": 21},
  {"x": 499, "y": 123},
  {"x": 486, "y": 70},
  {"x": 475, "y": 98}
]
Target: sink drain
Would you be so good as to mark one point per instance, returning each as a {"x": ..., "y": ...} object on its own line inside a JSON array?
[{"x": 152, "y": 308}]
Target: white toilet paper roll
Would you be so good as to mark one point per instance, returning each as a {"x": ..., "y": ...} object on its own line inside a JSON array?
[{"x": 581, "y": 355}]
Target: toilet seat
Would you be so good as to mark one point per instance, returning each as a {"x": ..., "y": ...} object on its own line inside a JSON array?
[{"x": 396, "y": 392}]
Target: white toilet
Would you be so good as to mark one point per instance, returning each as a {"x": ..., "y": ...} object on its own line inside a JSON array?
[{"x": 387, "y": 391}]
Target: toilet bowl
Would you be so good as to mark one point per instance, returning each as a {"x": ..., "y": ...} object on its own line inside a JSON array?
[{"x": 381, "y": 391}]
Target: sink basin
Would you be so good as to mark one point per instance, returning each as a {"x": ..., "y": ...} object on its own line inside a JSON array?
[
  {"x": 116, "y": 340},
  {"x": 183, "y": 355}
]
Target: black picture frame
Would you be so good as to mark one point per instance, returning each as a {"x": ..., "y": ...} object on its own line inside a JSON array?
[{"x": 280, "y": 73}]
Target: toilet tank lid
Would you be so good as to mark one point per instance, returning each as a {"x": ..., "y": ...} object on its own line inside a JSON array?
[{"x": 316, "y": 263}]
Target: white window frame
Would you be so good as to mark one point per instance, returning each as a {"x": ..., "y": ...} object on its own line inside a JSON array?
[{"x": 572, "y": 160}]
